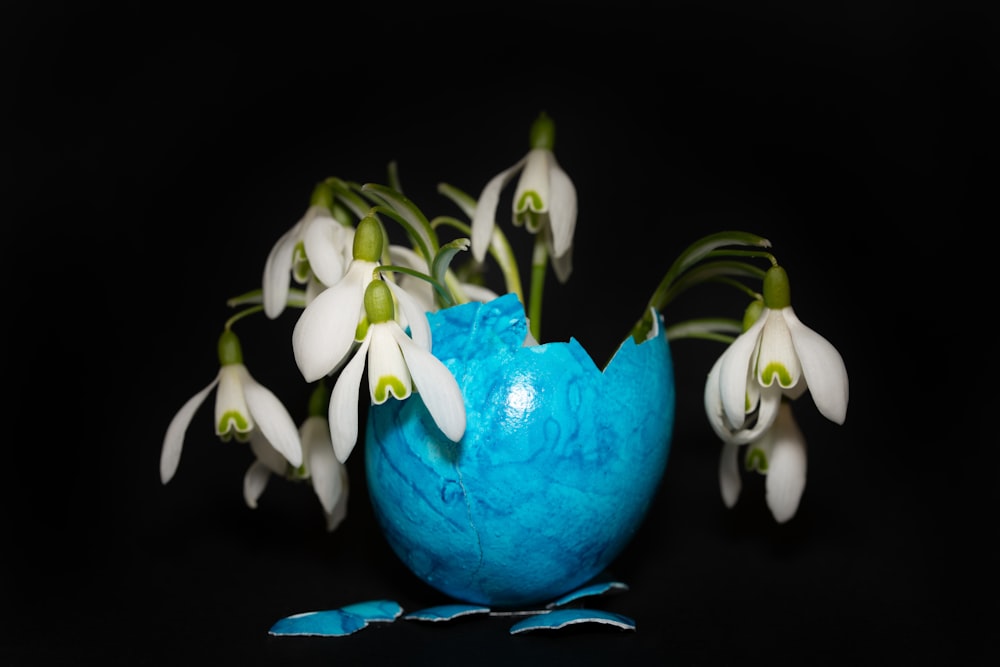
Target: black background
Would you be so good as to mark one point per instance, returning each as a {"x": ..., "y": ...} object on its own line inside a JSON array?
[{"x": 152, "y": 156}]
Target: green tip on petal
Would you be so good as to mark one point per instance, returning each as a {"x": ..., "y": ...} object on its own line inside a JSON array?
[
  {"x": 777, "y": 294},
  {"x": 388, "y": 384},
  {"x": 368, "y": 239},
  {"x": 543, "y": 132},
  {"x": 776, "y": 370},
  {"x": 378, "y": 302},
  {"x": 229, "y": 421},
  {"x": 756, "y": 460},
  {"x": 230, "y": 351}
]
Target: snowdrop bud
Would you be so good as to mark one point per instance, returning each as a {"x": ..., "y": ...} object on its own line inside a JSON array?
[
  {"x": 322, "y": 195},
  {"x": 230, "y": 351},
  {"x": 777, "y": 294},
  {"x": 368, "y": 240},
  {"x": 543, "y": 132},
  {"x": 378, "y": 302},
  {"x": 752, "y": 313}
]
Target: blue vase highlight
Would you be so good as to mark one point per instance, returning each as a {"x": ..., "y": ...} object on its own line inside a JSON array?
[{"x": 556, "y": 471}]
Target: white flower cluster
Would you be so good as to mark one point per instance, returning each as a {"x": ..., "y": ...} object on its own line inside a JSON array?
[{"x": 364, "y": 301}]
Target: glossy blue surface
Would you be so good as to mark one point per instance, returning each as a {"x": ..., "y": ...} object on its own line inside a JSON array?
[{"x": 554, "y": 475}]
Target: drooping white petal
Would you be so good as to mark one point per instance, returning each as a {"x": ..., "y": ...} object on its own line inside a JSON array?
[
  {"x": 272, "y": 419},
  {"x": 266, "y": 454},
  {"x": 322, "y": 463},
  {"x": 730, "y": 482},
  {"x": 786, "y": 470},
  {"x": 823, "y": 368},
  {"x": 767, "y": 411},
  {"x": 336, "y": 516},
  {"x": 562, "y": 209},
  {"x": 415, "y": 315},
  {"x": 767, "y": 402},
  {"x": 777, "y": 360},
  {"x": 324, "y": 332},
  {"x": 735, "y": 362},
  {"x": 254, "y": 482},
  {"x": 324, "y": 239},
  {"x": 437, "y": 386},
  {"x": 276, "y": 272},
  {"x": 173, "y": 441},
  {"x": 231, "y": 411},
  {"x": 343, "y": 411},
  {"x": 562, "y": 265},
  {"x": 712, "y": 400},
  {"x": 486, "y": 210}
]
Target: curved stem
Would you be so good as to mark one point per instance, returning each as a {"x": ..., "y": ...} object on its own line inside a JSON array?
[
  {"x": 719, "y": 329},
  {"x": 422, "y": 242},
  {"x": 240, "y": 315},
  {"x": 446, "y": 295},
  {"x": 714, "y": 271},
  {"x": 708, "y": 247},
  {"x": 296, "y": 298}
]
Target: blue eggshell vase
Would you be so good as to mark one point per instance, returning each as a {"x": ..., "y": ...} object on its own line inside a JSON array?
[{"x": 556, "y": 471}]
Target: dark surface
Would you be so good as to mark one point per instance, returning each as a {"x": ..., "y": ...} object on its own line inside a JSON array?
[{"x": 152, "y": 157}]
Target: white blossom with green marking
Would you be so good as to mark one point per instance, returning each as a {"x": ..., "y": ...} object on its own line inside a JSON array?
[
  {"x": 242, "y": 406},
  {"x": 779, "y": 356},
  {"x": 397, "y": 365},
  {"x": 319, "y": 465},
  {"x": 748, "y": 390},
  {"x": 335, "y": 319},
  {"x": 317, "y": 248},
  {"x": 544, "y": 200},
  {"x": 779, "y": 453}
]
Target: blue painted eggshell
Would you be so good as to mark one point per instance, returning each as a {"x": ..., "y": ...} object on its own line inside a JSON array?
[{"x": 555, "y": 473}]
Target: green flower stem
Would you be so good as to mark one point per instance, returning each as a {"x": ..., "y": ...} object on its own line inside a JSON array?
[
  {"x": 719, "y": 329},
  {"x": 319, "y": 399},
  {"x": 443, "y": 292},
  {"x": 504, "y": 255},
  {"x": 422, "y": 241},
  {"x": 462, "y": 199},
  {"x": 407, "y": 213},
  {"x": 240, "y": 315},
  {"x": 711, "y": 271},
  {"x": 454, "y": 286},
  {"x": 392, "y": 173},
  {"x": 296, "y": 298},
  {"x": 347, "y": 193},
  {"x": 255, "y": 296},
  {"x": 708, "y": 247},
  {"x": 539, "y": 264}
]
